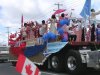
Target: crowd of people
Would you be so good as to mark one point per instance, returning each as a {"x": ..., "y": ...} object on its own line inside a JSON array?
[
  {"x": 63, "y": 29},
  {"x": 68, "y": 30}
]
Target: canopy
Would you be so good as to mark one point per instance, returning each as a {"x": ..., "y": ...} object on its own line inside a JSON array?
[{"x": 59, "y": 11}]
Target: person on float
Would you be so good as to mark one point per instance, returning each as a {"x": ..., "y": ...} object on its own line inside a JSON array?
[
  {"x": 93, "y": 16},
  {"x": 72, "y": 35},
  {"x": 88, "y": 33},
  {"x": 23, "y": 31},
  {"x": 53, "y": 24},
  {"x": 93, "y": 32},
  {"x": 64, "y": 26},
  {"x": 52, "y": 32},
  {"x": 43, "y": 29},
  {"x": 98, "y": 33},
  {"x": 78, "y": 30},
  {"x": 32, "y": 27},
  {"x": 28, "y": 28}
]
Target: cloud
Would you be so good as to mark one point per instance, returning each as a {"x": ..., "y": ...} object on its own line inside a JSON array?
[
  {"x": 3, "y": 38},
  {"x": 96, "y": 4},
  {"x": 0, "y": 12}
]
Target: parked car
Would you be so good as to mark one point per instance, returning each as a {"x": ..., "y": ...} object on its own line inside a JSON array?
[{"x": 4, "y": 53}]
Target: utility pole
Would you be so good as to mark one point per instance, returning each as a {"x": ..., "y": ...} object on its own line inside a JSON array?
[
  {"x": 58, "y": 5},
  {"x": 8, "y": 33},
  {"x": 71, "y": 12}
]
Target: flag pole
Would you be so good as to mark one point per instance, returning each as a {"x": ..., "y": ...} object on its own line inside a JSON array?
[
  {"x": 86, "y": 11},
  {"x": 22, "y": 21}
]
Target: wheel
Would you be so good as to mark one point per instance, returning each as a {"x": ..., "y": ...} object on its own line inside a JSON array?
[
  {"x": 74, "y": 63},
  {"x": 13, "y": 63},
  {"x": 56, "y": 63}
]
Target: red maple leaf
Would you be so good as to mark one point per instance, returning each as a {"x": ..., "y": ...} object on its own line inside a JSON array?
[{"x": 28, "y": 69}]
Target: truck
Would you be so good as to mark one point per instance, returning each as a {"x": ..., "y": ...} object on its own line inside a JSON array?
[
  {"x": 56, "y": 55},
  {"x": 74, "y": 57}
]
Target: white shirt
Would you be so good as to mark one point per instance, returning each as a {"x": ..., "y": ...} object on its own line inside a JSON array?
[{"x": 43, "y": 29}]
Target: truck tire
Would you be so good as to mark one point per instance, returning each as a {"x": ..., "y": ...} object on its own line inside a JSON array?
[
  {"x": 74, "y": 63},
  {"x": 56, "y": 63}
]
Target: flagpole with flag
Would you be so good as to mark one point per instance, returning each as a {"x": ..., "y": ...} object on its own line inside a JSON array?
[
  {"x": 85, "y": 13},
  {"x": 86, "y": 9},
  {"x": 26, "y": 67}
]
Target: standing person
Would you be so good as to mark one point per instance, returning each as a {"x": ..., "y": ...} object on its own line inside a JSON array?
[
  {"x": 98, "y": 33},
  {"x": 23, "y": 31},
  {"x": 53, "y": 26},
  {"x": 64, "y": 20},
  {"x": 52, "y": 33},
  {"x": 93, "y": 32},
  {"x": 83, "y": 34},
  {"x": 88, "y": 34},
  {"x": 37, "y": 27},
  {"x": 43, "y": 28},
  {"x": 28, "y": 30},
  {"x": 32, "y": 27},
  {"x": 93, "y": 16},
  {"x": 79, "y": 31},
  {"x": 63, "y": 27}
]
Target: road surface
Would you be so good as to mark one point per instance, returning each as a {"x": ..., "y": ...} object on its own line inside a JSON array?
[{"x": 8, "y": 69}]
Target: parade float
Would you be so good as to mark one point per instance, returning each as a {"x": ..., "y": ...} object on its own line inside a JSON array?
[{"x": 63, "y": 46}]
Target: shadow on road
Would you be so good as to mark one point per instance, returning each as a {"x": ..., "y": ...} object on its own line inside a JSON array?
[
  {"x": 92, "y": 72},
  {"x": 89, "y": 71}
]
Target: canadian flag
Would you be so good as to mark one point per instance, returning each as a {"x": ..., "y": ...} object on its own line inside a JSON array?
[{"x": 26, "y": 67}]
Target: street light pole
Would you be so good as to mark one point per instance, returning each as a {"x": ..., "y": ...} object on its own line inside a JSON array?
[{"x": 8, "y": 34}]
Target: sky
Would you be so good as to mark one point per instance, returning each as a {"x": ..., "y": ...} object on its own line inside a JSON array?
[{"x": 11, "y": 11}]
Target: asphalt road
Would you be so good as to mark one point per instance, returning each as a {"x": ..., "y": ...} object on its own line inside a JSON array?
[{"x": 8, "y": 69}]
